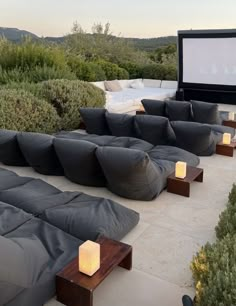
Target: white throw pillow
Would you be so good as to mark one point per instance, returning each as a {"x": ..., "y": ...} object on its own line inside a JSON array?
[
  {"x": 112, "y": 85},
  {"x": 137, "y": 84}
]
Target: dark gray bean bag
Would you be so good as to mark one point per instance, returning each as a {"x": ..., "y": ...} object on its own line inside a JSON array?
[
  {"x": 179, "y": 110},
  {"x": 121, "y": 124},
  {"x": 91, "y": 217},
  {"x": 205, "y": 112},
  {"x": 154, "y": 107},
  {"x": 173, "y": 154},
  {"x": 130, "y": 173},
  {"x": 78, "y": 158},
  {"x": 154, "y": 129},
  {"x": 195, "y": 137},
  {"x": 35, "y": 252},
  {"x": 95, "y": 120},
  {"x": 10, "y": 153},
  {"x": 39, "y": 152}
]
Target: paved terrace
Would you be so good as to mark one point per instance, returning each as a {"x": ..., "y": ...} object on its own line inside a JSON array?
[{"x": 171, "y": 230}]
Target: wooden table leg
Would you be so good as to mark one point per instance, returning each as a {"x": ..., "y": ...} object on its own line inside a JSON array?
[
  {"x": 199, "y": 178},
  {"x": 126, "y": 263},
  {"x": 179, "y": 187}
]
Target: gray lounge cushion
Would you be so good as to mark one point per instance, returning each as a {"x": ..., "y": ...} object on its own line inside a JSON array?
[
  {"x": 195, "y": 137},
  {"x": 222, "y": 129},
  {"x": 173, "y": 154},
  {"x": 39, "y": 152},
  {"x": 95, "y": 120},
  {"x": 178, "y": 110},
  {"x": 91, "y": 217},
  {"x": 10, "y": 153},
  {"x": 205, "y": 112},
  {"x": 42, "y": 251},
  {"x": 154, "y": 107},
  {"x": 120, "y": 124},
  {"x": 129, "y": 173},
  {"x": 79, "y": 161},
  {"x": 154, "y": 129}
]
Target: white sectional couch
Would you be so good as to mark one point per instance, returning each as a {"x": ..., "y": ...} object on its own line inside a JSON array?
[{"x": 128, "y": 98}]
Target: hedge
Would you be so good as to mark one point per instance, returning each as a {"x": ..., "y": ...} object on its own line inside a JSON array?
[
  {"x": 22, "y": 111},
  {"x": 68, "y": 96},
  {"x": 214, "y": 266},
  {"x": 159, "y": 72}
]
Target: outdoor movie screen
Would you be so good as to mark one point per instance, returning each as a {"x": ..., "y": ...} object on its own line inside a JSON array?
[{"x": 209, "y": 61}]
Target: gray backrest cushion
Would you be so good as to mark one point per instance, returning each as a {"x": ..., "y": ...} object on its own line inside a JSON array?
[
  {"x": 222, "y": 129},
  {"x": 79, "y": 161},
  {"x": 21, "y": 262},
  {"x": 91, "y": 217},
  {"x": 205, "y": 112},
  {"x": 10, "y": 153},
  {"x": 194, "y": 137},
  {"x": 154, "y": 107},
  {"x": 129, "y": 173},
  {"x": 120, "y": 124},
  {"x": 178, "y": 110},
  {"x": 39, "y": 152},
  {"x": 154, "y": 129},
  {"x": 95, "y": 120}
]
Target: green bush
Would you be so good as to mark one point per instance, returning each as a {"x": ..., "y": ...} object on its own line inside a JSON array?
[
  {"x": 113, "y": 71},
  {"x": 22, "y": 111},
  {"x": 134, "y": 70},
  {"x": 214, "y": 267},
  {"x": 227, "y": 222},
  {"x": 86, "y": 71},
  {"x": 159, "y": 72},
  {"x": 68, "y": 96},
  {"x": 214, "y": 272}
]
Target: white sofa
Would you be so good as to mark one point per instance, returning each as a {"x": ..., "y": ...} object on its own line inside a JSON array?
[{"x": 128, "y": 99}]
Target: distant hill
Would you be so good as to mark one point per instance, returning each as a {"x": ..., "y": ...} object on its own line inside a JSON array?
[
  {"x": 144, "y": 44},
  {"x": 15, "y": 34}
]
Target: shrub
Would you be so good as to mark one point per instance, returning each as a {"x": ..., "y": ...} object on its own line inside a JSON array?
[
  {"x": 227, "y": 222},
  {"x": 159, "y": 72},
  {"x": 134, "y": 70},
  {"x": 113, "y": 71},
  {"x": 86, "y": 71},
  {"x": 22, "y": 111},
  {"x": 214, "y": 272},
  {"x": 68, "y": 96}
]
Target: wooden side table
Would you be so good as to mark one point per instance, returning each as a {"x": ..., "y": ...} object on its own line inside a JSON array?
[
  {"x": 182, "y": 186},
  {"x": 231, "y": 123},
  {"x": 227, "y": 150},
  {"x": 74, "y": 288}
]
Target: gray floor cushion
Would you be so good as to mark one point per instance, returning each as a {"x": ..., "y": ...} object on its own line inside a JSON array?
[
  {"x": 154, "y": 107},
  {"x": 120, "y": 124}
]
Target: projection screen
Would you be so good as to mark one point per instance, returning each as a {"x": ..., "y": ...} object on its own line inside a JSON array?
[{"x": 209, "y": 61}]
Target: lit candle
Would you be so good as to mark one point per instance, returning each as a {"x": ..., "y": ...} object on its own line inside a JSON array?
[
  {"x": 180, "y": 169},
  {"x": 89, "y": 257},
  {"x": 226, "y": 138},
  {"x": 231, "y": 116}
]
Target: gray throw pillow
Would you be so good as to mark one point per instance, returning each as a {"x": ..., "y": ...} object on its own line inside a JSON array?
[
  {"x": 178, "y": 111},
  {"x": 95, "y": 120},
  {"x": 121, "y": 124},
  {"x": 205, "y": 112},
  {"x": 154, "y": 107}
]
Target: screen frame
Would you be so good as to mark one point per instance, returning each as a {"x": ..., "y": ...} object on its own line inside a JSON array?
[{"x": 201, "y": 34}]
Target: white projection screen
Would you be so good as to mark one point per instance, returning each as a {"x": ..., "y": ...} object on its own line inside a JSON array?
[{"x": 209, "y": 61}]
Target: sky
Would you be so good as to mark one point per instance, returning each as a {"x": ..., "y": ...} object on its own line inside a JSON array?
[{"x": 128, "y": 18}]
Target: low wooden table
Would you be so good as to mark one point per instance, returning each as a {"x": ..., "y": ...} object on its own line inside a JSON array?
[
  {"x": 231, "y": 123},
  {"x": 227, "y": 150},
  {"x": 182, "y": 186},
  {"x": 74, "y": 288}
]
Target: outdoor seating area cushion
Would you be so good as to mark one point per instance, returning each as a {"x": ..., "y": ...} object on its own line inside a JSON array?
[
  {"x": 120, "y": 124},
  {"x": 78, "y": 158},
  {"x": 195, "y": 137},
  {"x": 39, "y": 153},
  {"x": 178, "y": 110},
  {"x": 132, "y": 175},
  {"x": 95, "y": 120},
  {"x": 10, "y": 153},
  {"x": 154, "y": 107},
  {"x": 154, "y": 129},
  {"x": 205, "y": 112}
]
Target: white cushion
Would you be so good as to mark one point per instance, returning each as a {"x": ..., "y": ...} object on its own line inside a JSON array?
[
  {"x": 169, "y": 84},
  {"x": 112, "y": 86},
  {"x": 99, "y": 85},
  {"x": 152, "y": 83},
  {"x": 137, "y": 84},
  {"x": 124, "y": 83}
]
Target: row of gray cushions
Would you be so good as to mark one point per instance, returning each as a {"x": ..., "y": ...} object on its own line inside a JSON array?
[
  {"x": 156, "y": 131},
  {"x": 198, "y": 111}
]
